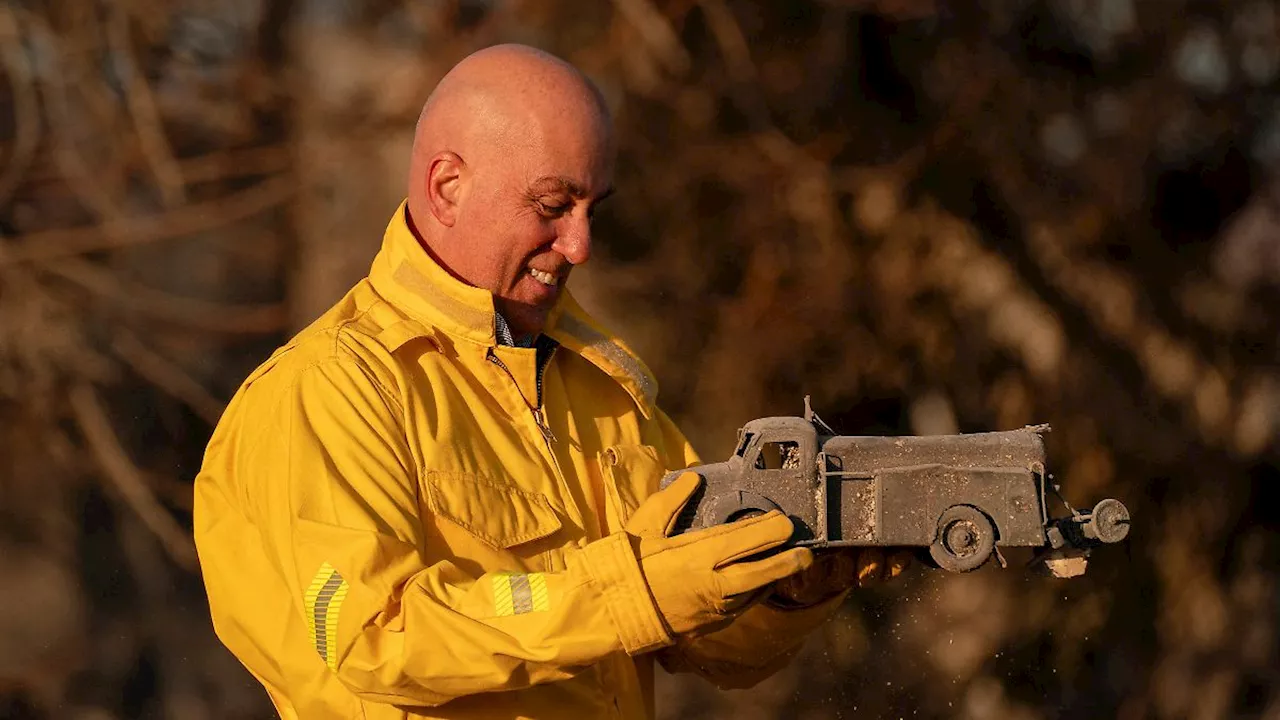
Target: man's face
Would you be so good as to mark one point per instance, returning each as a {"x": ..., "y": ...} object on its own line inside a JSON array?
[{"x": 525, "y": 216}]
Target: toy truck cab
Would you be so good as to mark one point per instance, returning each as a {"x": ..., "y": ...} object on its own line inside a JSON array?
[
  {"x": 958, "y": 495},
  {"x": 772, "y": 468}
]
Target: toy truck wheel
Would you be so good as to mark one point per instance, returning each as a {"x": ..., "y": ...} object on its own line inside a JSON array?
[
  {"x": 744, "y": 514},
  {"x": 739, "y": 505},
  {"x": 1109, "y": 522},
  {"x": 965, "y": 539}
]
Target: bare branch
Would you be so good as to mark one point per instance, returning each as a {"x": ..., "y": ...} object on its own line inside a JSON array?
[
  {"x": 91, "y": 416},
  {"x": 733, "y": 44},
  {"x": 185, "y": 311},
  {"x": 142, "y": 109},
  {"x": 76, "y": 171},
  {"x": 240, "y": 163},
  {"x": 168, "y": 376},
  {"x": 657, "y": 33},
  {"x": 26, "y": 104},
  {"x": 124, "y": 232}
]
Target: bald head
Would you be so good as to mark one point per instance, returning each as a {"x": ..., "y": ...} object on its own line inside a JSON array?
[
  {"x": 512, "y": 151},
  {"x": 503, "y": 93}
]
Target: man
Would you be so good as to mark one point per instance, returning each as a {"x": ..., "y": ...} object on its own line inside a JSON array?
[{"x": 446, "y": 487}]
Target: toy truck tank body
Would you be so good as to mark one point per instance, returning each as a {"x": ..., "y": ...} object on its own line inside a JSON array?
[{"x": 958, "y": 495}]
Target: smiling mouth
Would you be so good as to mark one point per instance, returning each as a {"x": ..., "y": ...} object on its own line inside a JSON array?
[{"x": 543, "y": 277}]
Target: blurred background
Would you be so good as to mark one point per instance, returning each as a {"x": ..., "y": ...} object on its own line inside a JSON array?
[{"x": 932, "y": 217}]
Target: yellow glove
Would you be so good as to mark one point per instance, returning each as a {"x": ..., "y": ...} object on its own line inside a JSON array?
[
  {"x": 834, "y": 572},
  {"x": 695, "y": 578}
]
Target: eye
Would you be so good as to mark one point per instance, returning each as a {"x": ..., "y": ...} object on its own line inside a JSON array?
[{"x": 552, "y": 208}]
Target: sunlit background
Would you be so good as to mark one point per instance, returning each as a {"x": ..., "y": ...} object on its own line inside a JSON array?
[{"x": 930, "y": 216}]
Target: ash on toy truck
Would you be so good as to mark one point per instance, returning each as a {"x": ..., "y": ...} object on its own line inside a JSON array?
[{"x": 960, "y": 496}]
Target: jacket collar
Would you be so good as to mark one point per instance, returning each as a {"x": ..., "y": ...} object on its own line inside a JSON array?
[{"x": 410, "y": 279}]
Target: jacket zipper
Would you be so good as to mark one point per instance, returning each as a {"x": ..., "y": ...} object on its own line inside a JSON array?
[{"x": 539, "y": 417}]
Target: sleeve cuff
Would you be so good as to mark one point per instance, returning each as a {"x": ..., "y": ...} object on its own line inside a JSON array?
[{"x": 612, "y": 566}]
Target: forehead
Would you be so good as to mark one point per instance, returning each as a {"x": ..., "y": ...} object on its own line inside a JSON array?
[
  {"x": 528, "y": 135},
  {"x": 562, "y": 184},
  {"x": 580, "y": 164}
]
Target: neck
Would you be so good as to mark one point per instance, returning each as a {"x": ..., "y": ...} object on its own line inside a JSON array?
[{"x": 428, "y": 248}]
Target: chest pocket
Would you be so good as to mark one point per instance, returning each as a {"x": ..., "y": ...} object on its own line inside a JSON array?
[
  {"x": 488, "y": 525},
  {"x": 631, "y": 474}
]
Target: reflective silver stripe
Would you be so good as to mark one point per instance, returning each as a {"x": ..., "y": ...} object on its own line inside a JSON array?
[
  {"x": 521, "y": 594},
  {"x": 413, "y": 280},
  {"x": 595, "y": 341},
  {"x": 323, "y": 598}
]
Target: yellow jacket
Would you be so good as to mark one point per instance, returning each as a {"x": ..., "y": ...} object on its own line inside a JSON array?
[{"x": 391, "y": 525}]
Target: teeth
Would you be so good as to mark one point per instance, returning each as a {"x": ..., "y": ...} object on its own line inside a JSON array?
[{"x": 545, "y": 278}]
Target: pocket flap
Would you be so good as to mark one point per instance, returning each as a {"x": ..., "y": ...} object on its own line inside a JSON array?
[
  {"x": 631, "y": 474},
  {"x": 500, "y": 515}
]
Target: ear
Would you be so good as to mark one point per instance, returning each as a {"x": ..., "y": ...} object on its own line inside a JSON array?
[{"x": 444, "y": 187}]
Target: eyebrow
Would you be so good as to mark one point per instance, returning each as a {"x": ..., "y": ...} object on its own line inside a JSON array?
[{"x": 559, "y": 182}]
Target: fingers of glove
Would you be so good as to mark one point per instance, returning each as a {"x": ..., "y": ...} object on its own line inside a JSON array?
[
  {"x": 733, "y": 541},
  {"x": 870, "y": 567},
  {"x": 839, "y": 568},
  {"x": 877, "y": 565},
  {"x": 733, "y": 604},
  {"x": 656, "y": 515},
  {"x": 899, "y": 561},
  {"x": 747, "y": 576},
  {"x": 832, "y": 572}
]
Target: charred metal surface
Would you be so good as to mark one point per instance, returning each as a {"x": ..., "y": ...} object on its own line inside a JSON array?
[{"x": 958, "y": 495}]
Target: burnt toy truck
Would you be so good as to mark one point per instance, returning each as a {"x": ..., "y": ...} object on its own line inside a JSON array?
[{"x": 959, "y": 496}]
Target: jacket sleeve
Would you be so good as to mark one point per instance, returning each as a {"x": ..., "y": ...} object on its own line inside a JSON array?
[
  {"x": 332, "y": 486},
  {"x": 760, "y": 641}
]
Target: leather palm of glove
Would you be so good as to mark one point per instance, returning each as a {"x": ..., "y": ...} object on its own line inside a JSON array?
[{"x": 699, "y": 578}]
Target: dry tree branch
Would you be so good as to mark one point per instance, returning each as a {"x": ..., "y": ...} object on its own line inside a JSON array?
[
  {"x": 54, "y": 89},
  {"x": 657, "y": 33},
  {"x": 168, "y": 376},
  {"x": 189, "y": 312},
  {"x": 171, "y": 490},
  {"x": 188, "y": 219},
  {"x": 26, "y": 112},
  {"x": 142, "y": 110},
  {"x": 744, "y": 76},
  {"x": 105, "y": 445},
  {"x": 733, "y": 44},
  {"x": 240, "y": 163}
]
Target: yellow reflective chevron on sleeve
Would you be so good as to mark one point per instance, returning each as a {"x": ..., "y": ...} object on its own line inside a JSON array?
[
  {"x": 538, "y": 592},
  {"x": 323, "y": 600},
  {"x": 517, "y": 594}
]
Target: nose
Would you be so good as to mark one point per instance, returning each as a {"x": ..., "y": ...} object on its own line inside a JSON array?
[{"x": 574, "y": 240}]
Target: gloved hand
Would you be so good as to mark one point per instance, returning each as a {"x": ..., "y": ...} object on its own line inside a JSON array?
[
  {"x": 836, "y": 571},
  {"x": 695, "y": 578}
]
